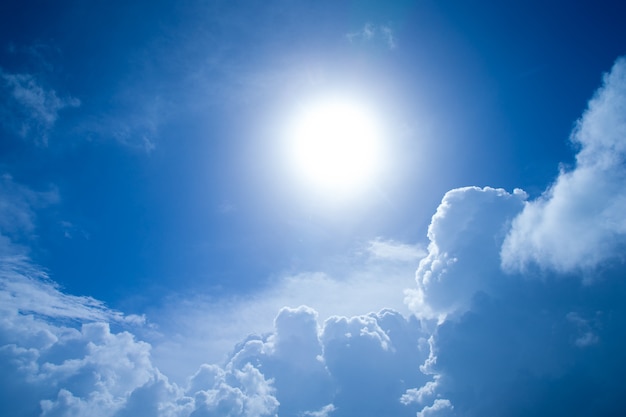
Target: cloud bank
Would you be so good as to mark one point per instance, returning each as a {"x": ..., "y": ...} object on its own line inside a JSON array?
[
  {"x": 529, "y": 294},
  {"x": 518, "y": 310}
]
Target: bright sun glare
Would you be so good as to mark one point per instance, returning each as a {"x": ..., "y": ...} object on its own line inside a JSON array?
[{"x": 335, "y": 145}]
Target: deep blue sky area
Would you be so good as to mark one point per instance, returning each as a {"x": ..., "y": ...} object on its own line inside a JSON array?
[{"x": 490, "y": 91}]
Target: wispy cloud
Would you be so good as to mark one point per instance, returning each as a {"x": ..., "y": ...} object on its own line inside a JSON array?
[
  {"x": 579, "y": 221},
  {"x": 395, "y": 251},
  {"x": 18, "y": 204},
  {"x": 28, "y": 290},
  {"x": 135, "y": 127},
  {"x": 30, "y": 109},
  {"x": 26, "y": 287},
  {"x": 60, "y": 357},
  {"x": 370, "y": 32}
]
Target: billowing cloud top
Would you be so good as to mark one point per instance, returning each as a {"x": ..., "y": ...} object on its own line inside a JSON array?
[{"x": 465, "y": 235}]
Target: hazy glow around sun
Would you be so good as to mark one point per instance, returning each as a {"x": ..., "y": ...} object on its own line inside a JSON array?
[{"x": 335, "y": 144}]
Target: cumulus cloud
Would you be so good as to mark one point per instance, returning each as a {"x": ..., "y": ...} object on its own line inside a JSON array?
[
  {"x": 66, "y": 355},
  {"x": 358, "y": 365},
  {"x": 65, "y": 360},
  {"x": 196, "y": 323},
  {"x": 347, "y": 364},
  {"x": 56, "y": 367},
  {"x": 531, "y": 343},
  {"x": 465, "y": 235},
  {"x": 30, "y": 109},
  {"x": 579, "y": 221}
]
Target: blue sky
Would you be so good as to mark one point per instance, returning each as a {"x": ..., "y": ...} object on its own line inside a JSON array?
[{"x": 163, "y": 252}]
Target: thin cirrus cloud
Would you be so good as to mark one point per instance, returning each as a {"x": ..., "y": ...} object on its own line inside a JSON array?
[
  {"x": 390, "y": 250},
  {"x": 488, "y": 341},
  {"x": 32, "y": 109},
  {"x": 370, "y": 32}
]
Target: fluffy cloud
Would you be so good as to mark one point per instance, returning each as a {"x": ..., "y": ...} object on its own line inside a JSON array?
[
  {"x": 69, "y": 362},
  {"x": 351, "y": 365},
  {"x": 196, "y": 324},
  {"x": 465, "y": 235},
  {"x": 60, "y": 356},
  {"x": 532, "y": 342},
  {"x": 65, "y": 355},
  {"x": 62, "y": 368},
  {"x": 579, "y": 221}
]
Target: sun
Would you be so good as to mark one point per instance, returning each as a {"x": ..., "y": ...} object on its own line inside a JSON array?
[{"x": 335, "y": 144}]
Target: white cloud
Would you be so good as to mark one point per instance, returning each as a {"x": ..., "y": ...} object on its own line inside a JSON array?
[
  {"x": 579, "y": 222},
  {"x": 440, "y": 407},
  {"x": 60, "y": 356},
  {"x": 18, "y": 204},
  {"x": 465, "y": 236},
  {"x": 395, "y": 251},
  {"x": 370, "y": 32},
  {"x": 357, "y": 365},
  {"x": 388, "y": 36},
  {"x": 90, "y": 370},
  {"x": 26, "y": 288},
  {"x": 323, "y": 412},
  {"x": 513, "y": 344},
  {"x": 31, "y": 109},
  {"x": 419, "y": 395},
  {"x": 136, "y": 126},
  {"x": 197, "y": 324},
  {"x": 62, "y": 370}
]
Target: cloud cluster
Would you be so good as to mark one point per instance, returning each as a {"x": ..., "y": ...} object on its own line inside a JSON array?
[
  {"x": 61, "y": 358},
  {"x": 66, "y": 355},
  {"x": 351, "y": 365},
  {"x": 74, "y": 364},
  {"x": 529, "y": 294}
]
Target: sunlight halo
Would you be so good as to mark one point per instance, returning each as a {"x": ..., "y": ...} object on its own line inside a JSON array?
[{"x": 334, "y": 145}]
